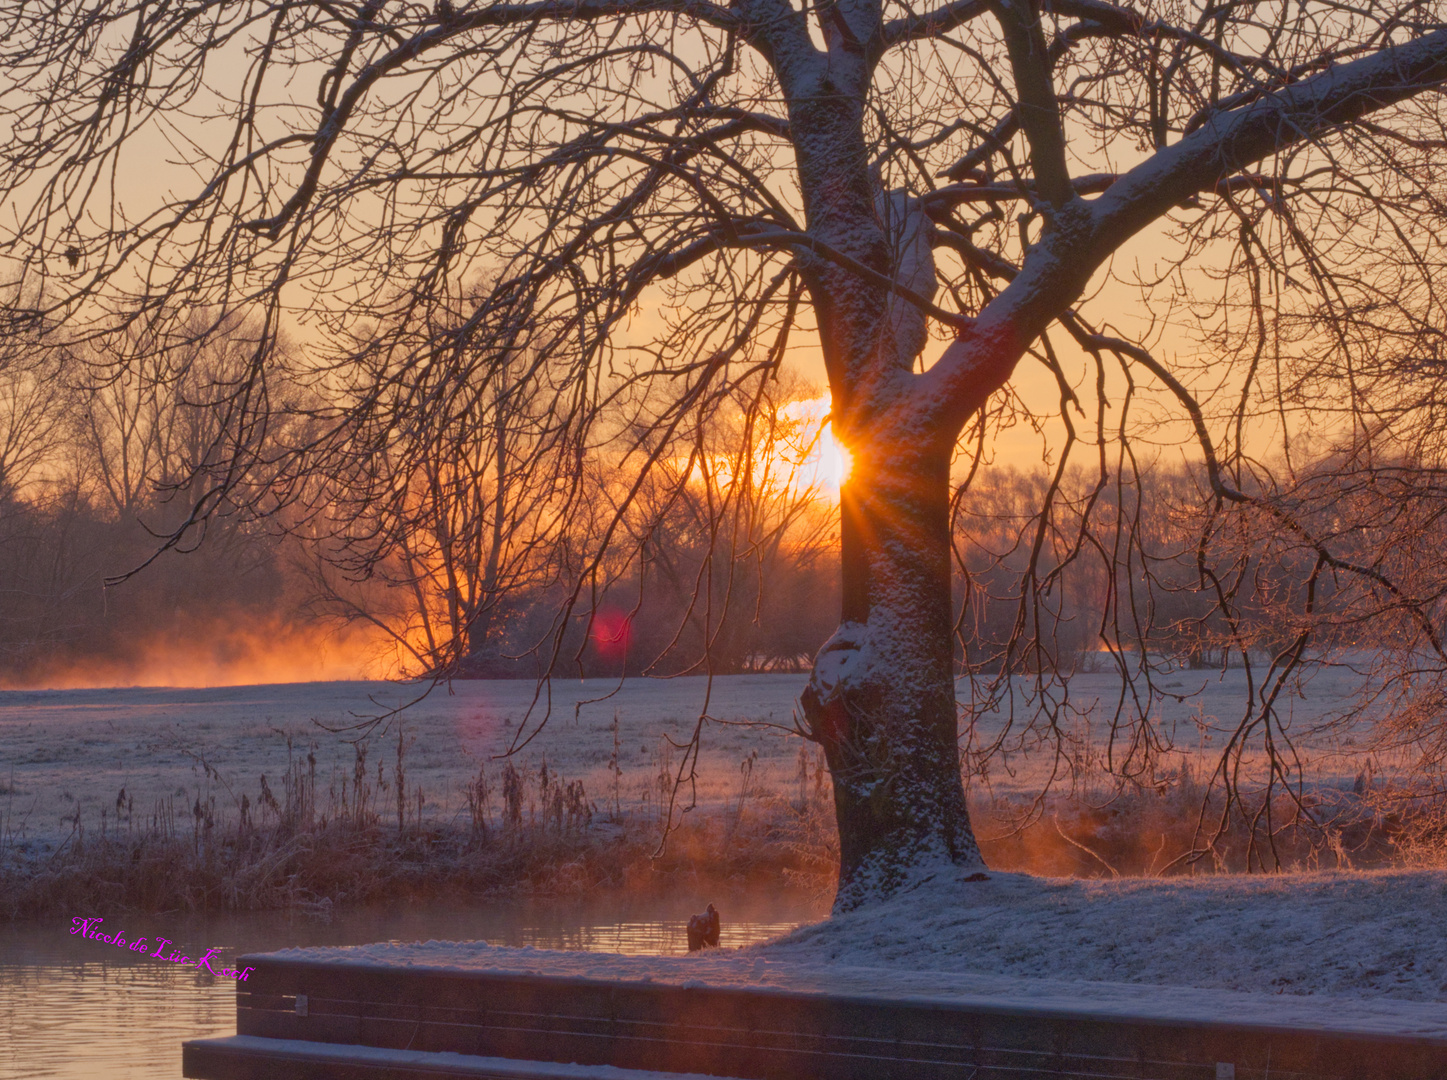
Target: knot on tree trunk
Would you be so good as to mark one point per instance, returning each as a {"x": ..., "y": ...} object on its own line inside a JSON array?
[
  {"x": 883, "y": 708},
  {"x": 842, "y": 664},
  {"x": 877, "y": 659}
]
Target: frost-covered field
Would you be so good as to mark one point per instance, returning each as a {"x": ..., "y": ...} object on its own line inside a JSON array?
[
  {"x": 1372, "y": 935},
  {"x": 69, "y": 751}
]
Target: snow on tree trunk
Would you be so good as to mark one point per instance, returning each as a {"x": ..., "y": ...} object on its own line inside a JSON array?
[{"x": 882, "y": 698}]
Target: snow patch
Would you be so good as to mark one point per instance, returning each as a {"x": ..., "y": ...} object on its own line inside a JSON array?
[
  {"x": 1358, "y": 952},
  {"x": 1361, "y": 935},
  {"x": 1331, "y": 951}
]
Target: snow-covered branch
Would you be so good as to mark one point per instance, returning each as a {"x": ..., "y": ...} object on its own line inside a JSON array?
[
  {"x": 933, "y": 23},
  {"x": 1083, "y": 234}
]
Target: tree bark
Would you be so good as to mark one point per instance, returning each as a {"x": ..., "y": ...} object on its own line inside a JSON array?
[{"x": 881, "y": 700}]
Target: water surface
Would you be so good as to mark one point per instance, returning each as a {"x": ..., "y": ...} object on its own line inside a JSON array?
[{"x": 79, "y": 1009}]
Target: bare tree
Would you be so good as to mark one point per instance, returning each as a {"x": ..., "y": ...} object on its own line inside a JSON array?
[
  {"x": 427, "y": 537},
  {"x": 144, "y": 410},
  {"x": 94, "y": 461},
  {"x": 853, "y": 170},
  {"x": 33, "y": 413},
  {"x": 723, "y": 532}
]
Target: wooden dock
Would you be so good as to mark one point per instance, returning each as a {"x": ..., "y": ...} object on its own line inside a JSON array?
[{"x": 300, "y": 1018}]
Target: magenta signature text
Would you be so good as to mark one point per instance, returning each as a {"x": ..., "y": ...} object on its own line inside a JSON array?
[{"x": 91, "y": 928}]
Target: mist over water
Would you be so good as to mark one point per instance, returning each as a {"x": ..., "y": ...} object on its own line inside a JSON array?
[{"x": 216, "y": 652}]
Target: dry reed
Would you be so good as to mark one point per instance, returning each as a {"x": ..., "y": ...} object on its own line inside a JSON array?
[
  {"x": 302, "y": 844},
  {"x": 525, "y": 830}
]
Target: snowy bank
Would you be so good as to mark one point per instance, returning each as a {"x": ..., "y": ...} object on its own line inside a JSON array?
[
  {"x": 1334, "y": 952},
  {"x": 1355, "y": 934}
]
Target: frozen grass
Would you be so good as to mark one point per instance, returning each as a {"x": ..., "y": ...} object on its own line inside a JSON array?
[
  {"x": 537, "y": 832},
  {"x": 294, "y": 846},
  {"x": 230, "y": 799},
  {"x": 67, "y": 754},
  {"x": 1177, "y": 828}
]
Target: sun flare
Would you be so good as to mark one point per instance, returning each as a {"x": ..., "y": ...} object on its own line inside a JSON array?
[
  {"x": 798, "y": 458},
  {"x": 835, "y": 460},
  {"x": 821, "y": 460}
]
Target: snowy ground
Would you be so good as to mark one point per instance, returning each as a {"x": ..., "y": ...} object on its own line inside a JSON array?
[
  {"x": 1369, "y": 936},
  {"x": 1362, "y": 934},
  {"x": 76, "y": 749},
  {"x": 1344, "y": 951},
  {"x": 64, "y": 751}
]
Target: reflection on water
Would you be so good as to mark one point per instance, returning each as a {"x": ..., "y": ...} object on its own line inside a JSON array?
[{"x": 80, "y": 1009}]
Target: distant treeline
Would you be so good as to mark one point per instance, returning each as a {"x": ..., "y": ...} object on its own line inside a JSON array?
[
  {"x": 97, "y": 466},
  {"x": 503, "y": 546},
  {"x": 472, "y": 571}
]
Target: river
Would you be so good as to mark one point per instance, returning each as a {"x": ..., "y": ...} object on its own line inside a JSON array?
[{"x": 79, "y": 1009}]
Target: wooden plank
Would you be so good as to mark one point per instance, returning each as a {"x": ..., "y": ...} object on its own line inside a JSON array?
[
  {"x": 247, "y": 1057},
  {"x": 768, "y": 1033}
]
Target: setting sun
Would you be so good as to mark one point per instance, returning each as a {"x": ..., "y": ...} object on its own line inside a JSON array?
[
  {"x": 822, "y": 460},
  {"x": 835, "y": 460}
]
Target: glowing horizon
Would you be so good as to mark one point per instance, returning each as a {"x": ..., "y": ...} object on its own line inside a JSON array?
[{"x": 824, "y": 461}]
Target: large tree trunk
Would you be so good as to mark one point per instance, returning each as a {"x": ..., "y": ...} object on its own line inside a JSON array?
[{"x": 881, "y": 699}]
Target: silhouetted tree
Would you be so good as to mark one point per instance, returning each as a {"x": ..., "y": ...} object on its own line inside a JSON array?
[{"x": 744, "y": 174}]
